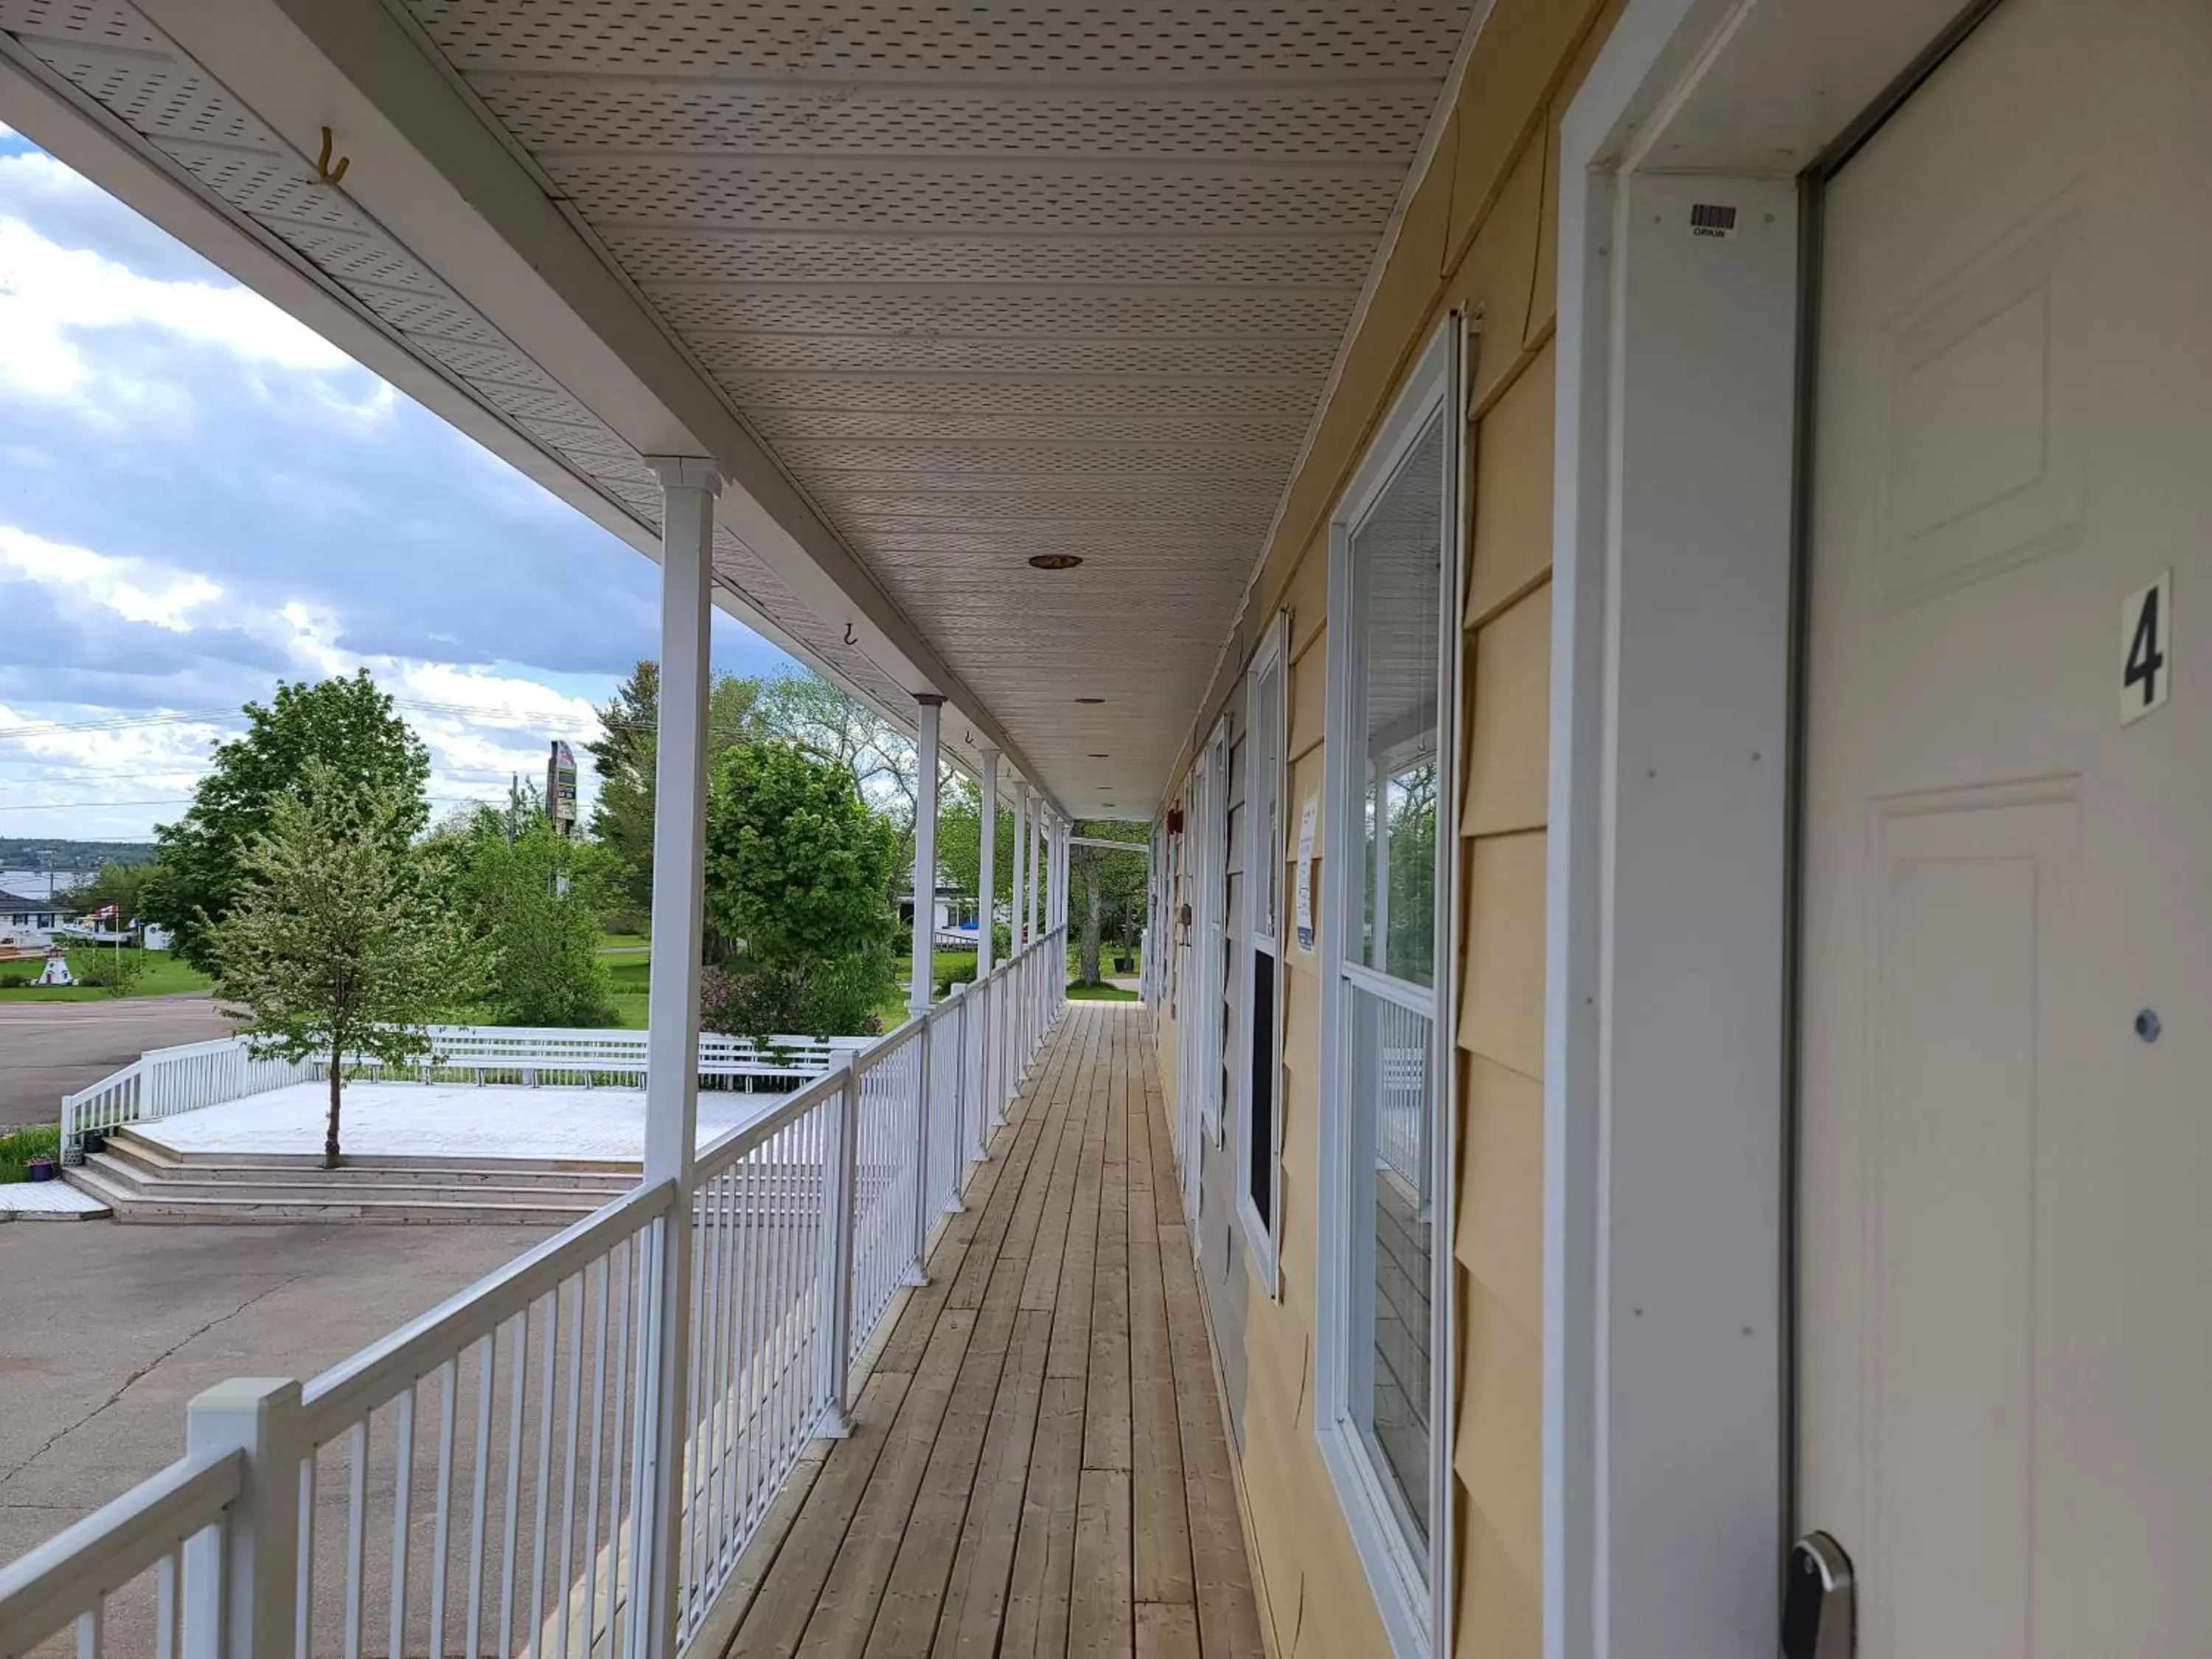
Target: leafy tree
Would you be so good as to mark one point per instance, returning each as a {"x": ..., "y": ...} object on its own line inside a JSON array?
[
  {"x": 530, "y": 898},
  {"x": 830, "y": 723},
  {"x": 623, "y": 756},
  {"x": 1107, "y": 890},
  {"x": 347, "y": 724},
  {"x": 799, "y": 870},
  {"x": 336, "y": 940}
]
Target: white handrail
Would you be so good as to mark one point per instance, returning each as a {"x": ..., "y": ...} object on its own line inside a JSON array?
[
  {"x": 70, "y": 1576},
  {"x": 805, "y": 1223}
]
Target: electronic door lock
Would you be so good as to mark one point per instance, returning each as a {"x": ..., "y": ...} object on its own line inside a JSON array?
[{"x": 1820, "y": 1602}]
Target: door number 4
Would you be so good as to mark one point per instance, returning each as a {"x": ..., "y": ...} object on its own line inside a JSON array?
[{"x": 2146, "y": 648}]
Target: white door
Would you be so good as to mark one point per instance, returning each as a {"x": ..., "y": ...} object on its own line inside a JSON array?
[{"x": 2005, "y": 1261}]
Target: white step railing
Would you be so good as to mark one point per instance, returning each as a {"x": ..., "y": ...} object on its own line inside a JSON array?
[
  {"x": 163, "y": 1082},
  {"x": 487, "y": 1479}
]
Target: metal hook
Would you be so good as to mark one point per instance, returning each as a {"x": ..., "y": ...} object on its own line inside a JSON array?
[
  {"x": 850, "y": 638},
  {"x": 323, "y": 170}
]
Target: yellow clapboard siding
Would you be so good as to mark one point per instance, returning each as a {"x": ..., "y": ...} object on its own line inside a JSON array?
[
  {"x": 1501, "y": 1615},
  {"x": 1499, "y": 1457},
  {"x": 1509, "y": 749},
  {"x": 1502, "y": 1012},
  {"x": 1305, "y": 595},
  {"x": 1513, "y": 491},
  {"x": 1308, "y": 714},
  {"x": 1500, "y": 1214}
]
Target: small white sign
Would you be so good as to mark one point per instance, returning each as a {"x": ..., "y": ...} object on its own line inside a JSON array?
[
  {"x": 1305, "y": 910},
  {"x": 2146, "y": 648}
]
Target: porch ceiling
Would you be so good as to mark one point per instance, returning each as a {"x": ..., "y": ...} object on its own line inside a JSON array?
[{"x": 984, "y": 281}]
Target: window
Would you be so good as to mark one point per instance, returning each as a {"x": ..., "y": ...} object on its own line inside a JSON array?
[
  {"x": 1385, "y": 1238},
  {"x": 1259, "y": 1152}
]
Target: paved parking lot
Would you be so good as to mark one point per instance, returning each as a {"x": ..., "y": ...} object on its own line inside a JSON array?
[
  {"x": 108, "y": 1330},
  {"x": 49, "y": 1048}
]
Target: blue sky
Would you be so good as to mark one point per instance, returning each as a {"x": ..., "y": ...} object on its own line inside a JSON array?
[{"x": 199, "y": 497}]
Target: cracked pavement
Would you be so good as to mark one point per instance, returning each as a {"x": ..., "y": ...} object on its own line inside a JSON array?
[{"x": 107, "y": 1331}]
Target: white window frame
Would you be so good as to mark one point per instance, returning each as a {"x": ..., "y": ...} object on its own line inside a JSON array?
[
  {"x": 1263, "y": 863},
  {"x": 1412, "y": 1588},
  {"x": 1212, "y": 918}
]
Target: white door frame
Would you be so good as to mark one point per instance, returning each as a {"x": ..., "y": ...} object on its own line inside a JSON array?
[{"x": 1667, "y": 1273}]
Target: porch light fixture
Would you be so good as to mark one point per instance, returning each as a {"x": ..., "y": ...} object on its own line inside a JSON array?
[{"x": 1054, "y": 561}]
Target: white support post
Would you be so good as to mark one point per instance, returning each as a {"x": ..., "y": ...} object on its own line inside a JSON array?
[
  {"x": 1036, "y": 860},
  {"x": 1017, "y": 932},
  {"x": 932, "y": 711},
  {"x": 688, "y": 489},
  {"x": 839, "y": 1166},
  {"x": 240, "y": 1595},
  {"x": 986, "y": 877}
]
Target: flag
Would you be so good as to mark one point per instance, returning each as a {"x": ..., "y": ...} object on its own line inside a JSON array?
[{"x": 104, "y": 912}]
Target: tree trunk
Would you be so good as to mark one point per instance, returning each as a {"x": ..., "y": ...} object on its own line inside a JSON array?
[
  {"x": 1090, "y": 924},
  {"x": 337, "y": 1083}
]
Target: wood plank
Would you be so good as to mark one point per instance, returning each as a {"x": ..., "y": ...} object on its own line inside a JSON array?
[
  {"x": 1041, "y": 1289},
  {"x": 854, "y": 1585},
  {"x": 1228, "y": 1617},
  {"x": 1044, "y": 1553},
  {"x": 905, "y": 1618},
  {"x": 1101, "y": 1616},
  {"x": 786, "y": 1600},
  {"x": 976, "y": 1595},
  {"x": 1160, "y": 1517},
  {"x": 1106, "y": 1412},
  {"x": 1070, "y": 1324},
  {"x": 1166, "y": 1630}
]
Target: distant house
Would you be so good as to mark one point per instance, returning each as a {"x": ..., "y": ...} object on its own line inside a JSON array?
[{"x": 28, "y": 925}]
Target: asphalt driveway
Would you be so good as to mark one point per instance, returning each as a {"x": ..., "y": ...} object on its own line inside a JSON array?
[{"x": 48, "y": 1050}]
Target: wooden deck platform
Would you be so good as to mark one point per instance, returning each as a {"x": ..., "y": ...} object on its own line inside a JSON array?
[{"x": 1039, "y": 1465}]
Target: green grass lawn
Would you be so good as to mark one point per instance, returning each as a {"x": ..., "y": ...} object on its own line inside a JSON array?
[
  {"x": 164, "y": 975},
  {"x": 631, "y": 981},
  {"x": 1098, "y": 994},
  {"x": 623, "y": 944}
]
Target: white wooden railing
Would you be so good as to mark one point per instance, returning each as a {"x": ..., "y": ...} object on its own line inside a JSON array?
[
  {"x": 163, "y": 1082},
  {"x": 497, "y": 1477}
]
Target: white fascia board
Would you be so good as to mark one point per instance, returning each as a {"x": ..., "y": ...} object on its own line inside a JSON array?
[{"x": 437, "y": 177}]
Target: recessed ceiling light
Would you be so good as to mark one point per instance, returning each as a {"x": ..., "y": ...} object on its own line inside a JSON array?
[
  {"x": 1100, "y": 757},
  {"x": 1091, "y": 699},
  {"x": 1054, "y": 561}
]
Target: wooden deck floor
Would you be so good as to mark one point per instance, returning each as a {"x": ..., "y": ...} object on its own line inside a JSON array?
[{"x": 1039, "y": 1464}]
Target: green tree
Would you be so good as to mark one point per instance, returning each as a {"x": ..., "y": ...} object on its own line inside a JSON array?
[
  {"x": 530, "y": 898},
  {"x": 830, "y": 723},
  {"x": 347, "y": 724},
  {"x": 798, "y": 872},
  {"x": 337, "y": 941},
  {"x": 624, "y": 756},
  {"x": 1107, "y": 890}
]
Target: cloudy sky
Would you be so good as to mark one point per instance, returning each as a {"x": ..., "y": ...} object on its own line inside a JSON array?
[{"x": 199, "y": 497}]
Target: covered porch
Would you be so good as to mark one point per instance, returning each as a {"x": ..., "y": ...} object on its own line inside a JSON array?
[{"x": 1038, "y": 1463}]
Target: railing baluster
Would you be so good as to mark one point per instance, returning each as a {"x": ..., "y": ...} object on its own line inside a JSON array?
[
  {"x": 356, "y": 1533},
  {"x": 92, "y": 1631},
  {"x": 402, "y": 1493},
  {"x": 552, "y": 1347},
  {"x": 569, "y": 1468},
  {"x": 599, "y": 1426},
  {"x": 516, "y": 1395},
  {"x": 164, "y": 1608},
  {"x": 480, "y": 1491},
  {"x": 449, "y": 1382}
]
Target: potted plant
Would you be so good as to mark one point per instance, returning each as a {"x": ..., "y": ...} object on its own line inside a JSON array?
[{"x": 40, "y": 1168}]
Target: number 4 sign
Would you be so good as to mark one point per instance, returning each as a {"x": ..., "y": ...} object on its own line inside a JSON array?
[{"x": 2146, "y": 642}]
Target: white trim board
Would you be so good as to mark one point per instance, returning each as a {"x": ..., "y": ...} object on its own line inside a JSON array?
[{"x": 1665, "y": 1462}]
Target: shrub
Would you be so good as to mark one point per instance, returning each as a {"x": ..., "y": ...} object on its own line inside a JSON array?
[{"x": 19, "y": 1148}]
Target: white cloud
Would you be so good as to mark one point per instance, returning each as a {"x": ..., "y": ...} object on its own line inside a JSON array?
[
  {"x": 49, "y": 293},
  {"x": 133, "y": 589}
]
